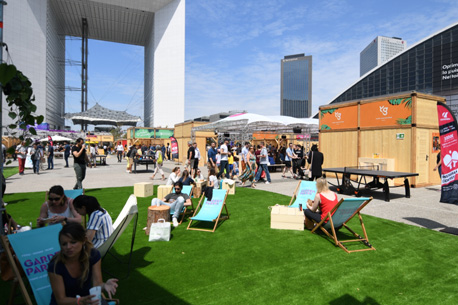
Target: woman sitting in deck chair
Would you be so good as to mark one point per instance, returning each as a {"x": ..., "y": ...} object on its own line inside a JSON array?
[
  {"x": 76, "y": 268},
  {"x": 325, "y": 200}
]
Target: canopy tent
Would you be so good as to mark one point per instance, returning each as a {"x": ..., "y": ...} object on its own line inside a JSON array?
[
  {"x": 99, "y": 115},
  {"x": 249, "y": 123},
  {"x": 56, "y": 139}
]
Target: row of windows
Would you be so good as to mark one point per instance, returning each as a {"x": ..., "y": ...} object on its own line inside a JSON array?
[
  {"x": 419, "y": 69},
  {"x": 295, "y": 108}
]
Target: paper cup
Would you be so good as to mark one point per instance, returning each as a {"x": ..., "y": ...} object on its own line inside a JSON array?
[{"x": 97, "y": 291}]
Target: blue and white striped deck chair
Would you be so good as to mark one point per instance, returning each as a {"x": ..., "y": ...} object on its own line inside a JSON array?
[
  {"x": 187, "y": 189},
  {"x": 73, "y": 193},
  {"x": 338, "y": 217},
  {"x": 305, "y": 190},
  {"x": 210, "y": 211}
]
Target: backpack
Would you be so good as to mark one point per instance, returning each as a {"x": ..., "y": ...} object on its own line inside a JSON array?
[{"x": 159, "y": 160}]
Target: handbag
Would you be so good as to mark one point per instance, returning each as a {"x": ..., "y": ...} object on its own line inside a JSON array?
[{"x": 160, "y": 231}]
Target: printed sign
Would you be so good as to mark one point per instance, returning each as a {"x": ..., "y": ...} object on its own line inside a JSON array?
[
  {"x": 144, "y": 133},
  {"x": 174, "y": 147},
  {"x": 392, "y": 112},
  {"x": 449, "y": 154},
  {"x": 163, "y": 133},
  {"x": 339, "y": 118}
]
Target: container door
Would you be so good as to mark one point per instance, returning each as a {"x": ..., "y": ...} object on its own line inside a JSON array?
[
  {"x": 423, "y": 156},
  {"x": 434, "y": 150}
]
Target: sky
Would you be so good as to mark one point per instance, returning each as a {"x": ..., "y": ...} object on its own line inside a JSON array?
[{"x": 234, "y": 49}]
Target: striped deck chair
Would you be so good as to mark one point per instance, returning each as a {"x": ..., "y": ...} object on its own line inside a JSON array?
[
  {"x": 304, "y": 190},
  {"x": 187, "y": 189},
  {"x": 342, "y": 213},
  {"x": 210, "y": 211}
]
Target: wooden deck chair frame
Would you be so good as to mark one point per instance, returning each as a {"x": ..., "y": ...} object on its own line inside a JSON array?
[
  {"x": 340, "y": 243},
  {"x": 187, "y": 210},
  {"x": 131, "y": 214},
  {"x": 295, "y": 194},
  {"x": 216, "y": 220},
  {"x": 17, "y": 281}
]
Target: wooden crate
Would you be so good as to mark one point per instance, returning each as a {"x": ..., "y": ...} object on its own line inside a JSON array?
[
  {"x": 286, "y": 218},
  {"x": 144, "y": 189}
]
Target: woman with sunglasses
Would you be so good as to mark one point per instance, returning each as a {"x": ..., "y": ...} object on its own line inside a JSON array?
[{"x": 57, "y": 208}]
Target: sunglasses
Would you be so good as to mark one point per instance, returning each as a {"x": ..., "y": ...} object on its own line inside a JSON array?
[
  {"x": 177, "y": 189},
  {"x": 54, "y": 198}
]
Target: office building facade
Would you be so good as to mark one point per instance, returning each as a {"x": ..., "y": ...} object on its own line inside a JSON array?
[
  {"x": 379, "y": 51},
  {"x": 296, "y": 86},
  {"x": 429, "y": 66},
  {"x": 35, "y": 33}
]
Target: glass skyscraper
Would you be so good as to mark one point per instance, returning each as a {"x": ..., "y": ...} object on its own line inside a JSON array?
[{"x": 296, "y": 86}]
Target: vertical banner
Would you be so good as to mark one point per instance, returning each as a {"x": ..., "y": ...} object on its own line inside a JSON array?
[
  {"x": 174, "y": 147},
  {"x": 448, "y": 132},
  {"x": 35, "y": 249},
  {"x": 50, "y": 140}
]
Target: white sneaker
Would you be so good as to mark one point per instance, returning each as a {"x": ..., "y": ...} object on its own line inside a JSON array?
[
  {"x": 175, "y": 222},
  {"x": 267, "y": 182}
]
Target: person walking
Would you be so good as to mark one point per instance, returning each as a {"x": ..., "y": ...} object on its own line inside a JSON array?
[
  {"x": 289, "y": 156},
  {"x": 224, "y": 151},
  {"x": 159, "y": 161},
  {"x": 250, "y": 168},
  {"x": 119, "y": 151},
  {"x": 50, "y": 156},
  {"x": 315, "y": 160},
  {"x": 66, "y": 153},
  {"x": 80, "y": 160},
  {"x": 21, "y": 152},
  {"x": 168, "y": 151},
  {"x": 263, "y": 161}
]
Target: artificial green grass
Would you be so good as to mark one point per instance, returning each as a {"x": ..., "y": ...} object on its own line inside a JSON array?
[
  {"x": 10, "y": 171},
  {"x": 246, "y": 262}
]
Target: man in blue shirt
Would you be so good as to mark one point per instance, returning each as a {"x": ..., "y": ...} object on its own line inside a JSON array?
[
  {"x": 211, "y": 163},
  {"x": 66, "y": 153}
]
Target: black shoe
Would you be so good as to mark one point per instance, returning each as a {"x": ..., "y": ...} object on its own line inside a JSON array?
[{"x": 65, "y": 166}]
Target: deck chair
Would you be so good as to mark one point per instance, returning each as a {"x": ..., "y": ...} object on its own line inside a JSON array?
[
  {"x": 305, "y": 190},
  {"x": 343, "y": 212},
  {"x": 128, "y": 213},
  {"x": 187, "y": 189},
  {"x": 34, "y": 249},
  {"x": 210, "y": 211},
  {"x": 73, "y": 193}
]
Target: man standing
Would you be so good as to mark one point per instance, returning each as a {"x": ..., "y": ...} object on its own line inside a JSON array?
[
  {"x": 21, "y": 151},
  {"x": 66, "y": 153},
  {"x": 263, "y": 160},
  {"x": 211, "y": 154},
  {"x": 119, "y": 151},
  {"x": 244, "y": 154},
  {"x": 168, "y": 151},
  {"x": 163, "y": 150},
  {"x": 50, "y": 156},
  {"x": 289, "y": 156},
  {"x": 196, "y": 158},
  {"x": 190, "y": 158},
  {"x": 223, "y": 150},
  {"x": 80, "y": 160}
]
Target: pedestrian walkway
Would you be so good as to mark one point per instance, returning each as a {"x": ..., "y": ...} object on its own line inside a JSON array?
[{"x": 421, "y": 209}]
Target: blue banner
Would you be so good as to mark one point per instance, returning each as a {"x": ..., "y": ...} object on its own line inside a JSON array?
[{"x": 35, "y": 249}]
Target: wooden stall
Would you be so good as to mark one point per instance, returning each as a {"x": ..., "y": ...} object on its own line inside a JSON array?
[
  {"x": 183, "y": 136},
  {"x": 399, "y": 133}
]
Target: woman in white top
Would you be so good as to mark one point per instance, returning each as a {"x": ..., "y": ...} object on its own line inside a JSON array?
[
  {"x": 93, "y": 154},
  {"x": 199, "y": 176},
  {"x": 57, "y": 208},
  {"x": 174, "y": 176},
  {"x": 212, "y": 180}
]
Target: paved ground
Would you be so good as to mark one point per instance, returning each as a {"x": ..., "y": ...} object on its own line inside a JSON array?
[{"x": 422, "y": 209}]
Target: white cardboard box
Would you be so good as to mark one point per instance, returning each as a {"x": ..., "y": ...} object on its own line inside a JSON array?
[{"x": 286, "y": 218}]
